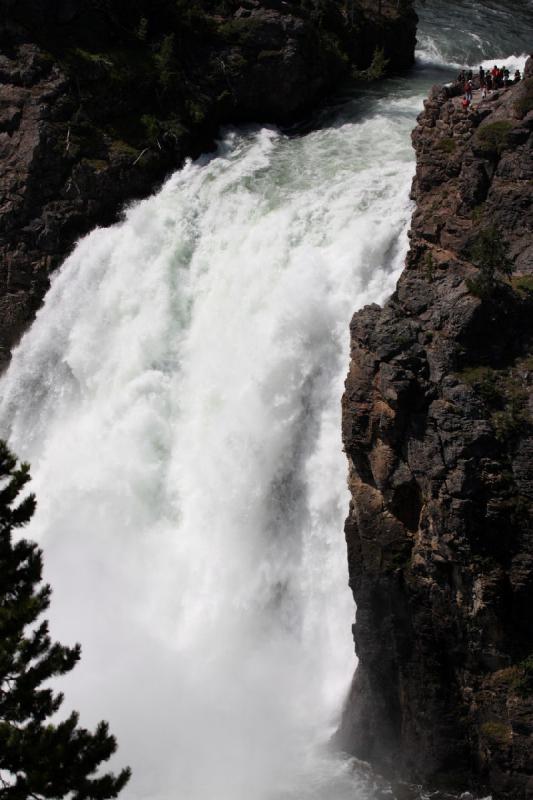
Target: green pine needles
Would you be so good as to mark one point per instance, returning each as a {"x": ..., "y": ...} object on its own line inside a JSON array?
[{"x": 38, "y": 759}]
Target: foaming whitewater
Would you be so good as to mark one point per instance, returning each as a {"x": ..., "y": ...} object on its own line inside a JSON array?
[
  {"x": 178, "y": 397},
  {"x": 473, "y": 33}
]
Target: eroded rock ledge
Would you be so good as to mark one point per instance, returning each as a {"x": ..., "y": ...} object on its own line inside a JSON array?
[
  {"x": 101, "y": 99},
  {"x": 437, "y": 426}
]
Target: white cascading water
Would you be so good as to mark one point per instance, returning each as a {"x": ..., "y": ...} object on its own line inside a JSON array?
[
  {"x": 179, "y": 400},
  {"x": 178, "y": 397}
]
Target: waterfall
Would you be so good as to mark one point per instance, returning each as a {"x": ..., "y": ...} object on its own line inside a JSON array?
[{"x": 178, "y": 397}]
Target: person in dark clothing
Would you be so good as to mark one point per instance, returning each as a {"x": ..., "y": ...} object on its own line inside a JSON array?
[
  {"x": 517, "y": 76},
  {"x": 489, "y": 82},
  {"x": 470, "y": 75},
  {"x": 461, "y": 78},
  {"x": 481, "y": 77}
]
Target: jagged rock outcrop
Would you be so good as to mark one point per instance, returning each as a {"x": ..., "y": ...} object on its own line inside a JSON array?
[
  {"x": 438, "y": 430},
  {"x": 100, "y": 99}
]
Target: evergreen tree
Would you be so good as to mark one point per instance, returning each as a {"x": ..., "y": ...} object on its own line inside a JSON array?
[
  {"x": 489, "y": 252},
  {"x": 38, "y": 759},
  {"x": 166, "y": 63}
]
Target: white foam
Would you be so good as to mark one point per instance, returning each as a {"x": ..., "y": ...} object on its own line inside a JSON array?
[
  {"x": 179, "y": 399},
  {"x": 511, "y": 62},
  {"x": 430, "y": 54}
]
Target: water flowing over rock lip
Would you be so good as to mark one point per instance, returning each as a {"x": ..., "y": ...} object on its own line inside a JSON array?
[
  {"x": 178, "y": 399},
  {"x": 66, "y": 169}
]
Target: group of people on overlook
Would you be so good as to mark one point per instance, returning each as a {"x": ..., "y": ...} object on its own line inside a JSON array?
[{"x": 487, "y": 81}]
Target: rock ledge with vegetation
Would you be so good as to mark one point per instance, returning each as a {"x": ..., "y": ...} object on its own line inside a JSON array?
[
  {"x": 438, "y": 430},
  {"x": 101, "y": 99}
]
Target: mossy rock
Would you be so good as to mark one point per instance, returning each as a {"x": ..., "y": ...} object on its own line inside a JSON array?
[
  {"x": 517, "y": 679},
  {"x": 512, "y": 421},
  {"x": 494, "y": 137},
  {"x": 119, "y": 147},
  {"x": 484, "y": 382},
  {"x": 478, "y": 211},
  {"x": 504, "y": 393},
  {"x": 524, "y": 285},
  {"x": 269, "y": 55},
  {"x": 447, "y": 145},
  {"x": 95, "y": 164},
  {"x": 522, "y": 684},
  {"x": 236, "y": 64},
  {"x": 497, "y": 732},
  {"x": 397, "y": 555},
  {"x": 243, "y": 32}
]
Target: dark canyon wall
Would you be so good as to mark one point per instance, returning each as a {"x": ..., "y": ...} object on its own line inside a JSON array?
[
  {"x": 438, "y": 430},
  {"x": 101, "y": 99}
]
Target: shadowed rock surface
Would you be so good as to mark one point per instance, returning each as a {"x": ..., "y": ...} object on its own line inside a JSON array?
[
  {"x": 101, "y": 99},
  {"x": 437, "y": 426}
]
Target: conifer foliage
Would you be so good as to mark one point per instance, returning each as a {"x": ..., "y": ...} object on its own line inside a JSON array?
[{"x": 38, "y": 759}]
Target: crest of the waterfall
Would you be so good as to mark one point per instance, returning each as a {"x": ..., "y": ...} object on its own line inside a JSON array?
[{"x": 178, "y": 397}]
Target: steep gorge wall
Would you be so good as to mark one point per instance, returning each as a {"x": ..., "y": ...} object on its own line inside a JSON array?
[
  {"x": 438, "y": 431},
  {"x": 101, "y": 99}
]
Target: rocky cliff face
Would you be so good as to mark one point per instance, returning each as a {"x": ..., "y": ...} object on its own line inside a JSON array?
[
  {"x": 100, "y": 99},
  {"x": 438, "y": 430}
]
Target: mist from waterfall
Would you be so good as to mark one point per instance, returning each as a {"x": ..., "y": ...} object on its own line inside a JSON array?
[{"x": 178, "y": 397}]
